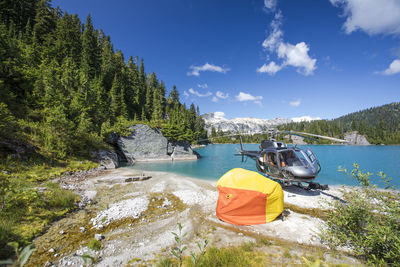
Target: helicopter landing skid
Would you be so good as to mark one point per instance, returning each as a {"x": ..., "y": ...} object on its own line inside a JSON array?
[
  {"x": 309, "y": 186},
  {"x": 312, "y": 185}
]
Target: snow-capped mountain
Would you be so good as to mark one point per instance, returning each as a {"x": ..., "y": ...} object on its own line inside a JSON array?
[{"x": 242, "y": 125}]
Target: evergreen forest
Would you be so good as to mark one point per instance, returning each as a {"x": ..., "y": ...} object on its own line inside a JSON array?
[
  {"x": 380, "y": 125},
  {"x": 64, "y": 88}
]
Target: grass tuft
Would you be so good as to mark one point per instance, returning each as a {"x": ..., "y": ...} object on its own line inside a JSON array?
[{"x": 94, "y": 244}]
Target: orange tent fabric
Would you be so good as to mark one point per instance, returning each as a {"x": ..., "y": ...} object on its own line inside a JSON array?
[{"x": 247, "y": 197}]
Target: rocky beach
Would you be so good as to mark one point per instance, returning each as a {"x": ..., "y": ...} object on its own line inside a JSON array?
[{"x": 133, "y": 221}]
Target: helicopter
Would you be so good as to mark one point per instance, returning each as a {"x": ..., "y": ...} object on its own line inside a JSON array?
[{"x": 289, "y": 165}]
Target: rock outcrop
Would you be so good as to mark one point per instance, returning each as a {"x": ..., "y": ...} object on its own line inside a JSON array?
[
  {"x": 147, "y": 144},
  {"x": 296, "y": 140},
  {"x": 183, "y": 151},
  {"x": 107, "y": 158},
  {"x": 356, "y": 139}
]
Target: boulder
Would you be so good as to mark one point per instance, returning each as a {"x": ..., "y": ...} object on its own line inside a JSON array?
[
  {"x": 183, "y": 151},
  {"x": 356, "y": 139},
  {"x": 107, "y": 158},
  {"x": 144, "y": 143}
]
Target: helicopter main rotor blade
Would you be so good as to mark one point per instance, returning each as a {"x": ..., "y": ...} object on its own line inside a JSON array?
[
  {"x": 315, "y": 135},
  {"x": 275, "y": 131}
]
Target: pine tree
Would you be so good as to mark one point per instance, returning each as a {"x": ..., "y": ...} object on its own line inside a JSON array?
[
  {"x": 90, "y": 51},
  {"x": 173, "y": 97},
  {"x": 45, "y": 20},
  {"x": 68, "y": 38}
]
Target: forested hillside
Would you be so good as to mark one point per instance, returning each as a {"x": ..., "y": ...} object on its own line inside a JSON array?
[
  {"x": 381, "y": 125},
  {"x": 63, "y": 87}
]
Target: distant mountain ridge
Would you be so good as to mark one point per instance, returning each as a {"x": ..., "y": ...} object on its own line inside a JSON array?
[
  {"x": 242, "y": 125},
  {"x": 380, "y": 125}
]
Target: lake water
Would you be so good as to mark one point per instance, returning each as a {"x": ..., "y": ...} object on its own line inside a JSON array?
[{"x": 218, "y": 159}]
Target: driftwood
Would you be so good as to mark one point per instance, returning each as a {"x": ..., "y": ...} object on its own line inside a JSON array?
[{"x": 137, "y": 178}]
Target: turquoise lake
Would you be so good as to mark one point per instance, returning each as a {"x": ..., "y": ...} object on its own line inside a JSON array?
[{"x": 217, "y": 159}]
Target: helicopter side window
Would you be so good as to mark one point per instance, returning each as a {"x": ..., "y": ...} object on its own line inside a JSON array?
[
  {"x": 272, "y": 159},
  {"x": 271, "y": 163}
]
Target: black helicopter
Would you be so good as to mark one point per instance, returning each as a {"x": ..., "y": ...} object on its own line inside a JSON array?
[{"x": 288, "y": 164}]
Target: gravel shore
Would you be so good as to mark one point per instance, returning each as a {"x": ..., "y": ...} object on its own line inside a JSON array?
[{"x": 136, "y": 220}]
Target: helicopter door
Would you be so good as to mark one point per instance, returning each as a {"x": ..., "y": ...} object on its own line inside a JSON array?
[{"x": 271, "y": 165}]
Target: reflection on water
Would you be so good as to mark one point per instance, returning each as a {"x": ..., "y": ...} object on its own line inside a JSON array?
[{"x": 217, "y": 159}]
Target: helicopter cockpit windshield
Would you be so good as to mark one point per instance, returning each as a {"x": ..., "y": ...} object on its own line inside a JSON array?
[{"x": 291, "y": 158}]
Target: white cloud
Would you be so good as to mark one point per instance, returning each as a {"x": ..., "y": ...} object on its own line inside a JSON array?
[
  {"x": 271, "y": 68},
  {"x": 393, "y": 68},
  {"x": 204, "y": 86},
  {"x": 371, "y": 16},
  {"x": 194, "y": 92},
  {"x": 297, "y": 56},
  {"x": 195, "y": 70},
  {"x": 275, "y": 37},
  {"x": 214, "y": 99},
  {"x": 270, "y": 4},
  {"x": 295, "y": 103},
  {"x": 185, "y": 94},
  {"x": 305, "y": 118},
  {"x": 221, "y": 95},
  {"x": 219, "y": 115},
  {"x": 242, "y": 97},
  {"x": 292, "y": 55}
]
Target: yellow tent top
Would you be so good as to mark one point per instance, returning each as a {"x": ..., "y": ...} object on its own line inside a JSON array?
[{"x": 247, "y": 197}]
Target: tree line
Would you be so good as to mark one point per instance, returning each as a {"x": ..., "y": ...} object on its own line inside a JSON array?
[
  {"x": 380, "y": 125},
  {"x": 64, "y": 88}
]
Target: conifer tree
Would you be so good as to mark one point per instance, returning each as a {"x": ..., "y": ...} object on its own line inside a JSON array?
[
  {"x": 45, "y": 20},
  {"x": 90, "y": 50}
]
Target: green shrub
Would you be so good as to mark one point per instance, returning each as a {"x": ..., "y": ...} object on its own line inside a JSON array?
[
  {"x": 368, "y": 221},
  {"x": 7, "y": 121},
  {"x": 60, "y": 198},
  {"x": 6, "y": 235},
  {"x": 94, "y": 244},
  {"x": 233, "y": 256}
]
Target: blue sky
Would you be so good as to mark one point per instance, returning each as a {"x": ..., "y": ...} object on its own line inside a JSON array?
[{"x": 261, "y": 58}]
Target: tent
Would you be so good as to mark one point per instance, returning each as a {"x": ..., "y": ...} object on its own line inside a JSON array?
[{"x": 247, "y": 197}]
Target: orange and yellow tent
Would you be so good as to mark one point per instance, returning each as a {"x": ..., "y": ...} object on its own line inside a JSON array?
[{"x": 247, "y": 197}]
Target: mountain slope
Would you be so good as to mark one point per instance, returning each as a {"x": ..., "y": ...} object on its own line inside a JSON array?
[
  {"x": 242, "y": 125},
  {"x": 379, "y": 124}
]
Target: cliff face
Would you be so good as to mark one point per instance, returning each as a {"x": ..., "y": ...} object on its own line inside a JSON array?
[
  {"x": 356, "y": 139},
  {"x": 242, "y": 125}
]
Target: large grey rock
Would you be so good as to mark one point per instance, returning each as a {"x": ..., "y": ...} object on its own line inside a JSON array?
[
  {"x": 144, "y": 144},
  {"x": 183, "y": 151},
  {"x": 107, "y": 158},
  {"x": 296, "y": 140},
  {"x": 356, "y": 139}
]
